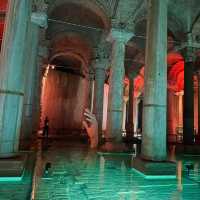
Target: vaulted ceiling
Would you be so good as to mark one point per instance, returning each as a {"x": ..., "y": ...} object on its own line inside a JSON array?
[{"x": 75, "y": 28}]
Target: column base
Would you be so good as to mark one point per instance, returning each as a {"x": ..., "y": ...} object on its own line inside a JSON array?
[
  {"x": 188, "y": 149},
  {"x": 11, "y": 169},
  {"x": 8, "y": 155},
  {"x": 155, "y": 170}
]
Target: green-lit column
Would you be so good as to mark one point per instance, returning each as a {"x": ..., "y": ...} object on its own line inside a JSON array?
[
  {"x": 155, "y": 83},
  {"x": 12, "y": 75},
  {"x": 31, "y": 69},
  {"x": 119, "y": 39},
  {"x": 100, "y": 67}
]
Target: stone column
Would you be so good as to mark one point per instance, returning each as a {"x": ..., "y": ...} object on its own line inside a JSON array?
[
  {"x": 100, "y": 75},
  {"x": 198, "y": 76},
  {"x": 180, "y": 109},
  {"x": 125, "y": 100},
  {"x": 136, "y": 104},
  {"x": 130, "y": 126},
  {"x": 12, "y": 75},
  {"x": 188, "y": 106},
  {"x": 31, "y": 66},
  {"x": 114, "y": 126},
  {"x": 91, "y": 92},
  {"x": 155, "y": 91}
]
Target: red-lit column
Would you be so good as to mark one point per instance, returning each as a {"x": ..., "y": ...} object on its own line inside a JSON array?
[{"x": 180, "y": 109}]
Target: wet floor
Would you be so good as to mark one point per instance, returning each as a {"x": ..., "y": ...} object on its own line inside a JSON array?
[
  {"x": 19, "y": 190},
  {"x": 77, "y": 173}
]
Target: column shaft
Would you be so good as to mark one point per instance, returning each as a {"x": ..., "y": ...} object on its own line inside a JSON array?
[
  {"x": 155, "y": 93},
  {"x": 180, "y": 109},
  {"x": 198, "y": 103},
  {"x": 12, "y": 75},
  {"x": 188, "y": 112},
  {"x": 31, "y": 66},
  {"x": 130, "y": 127},
  {"x": 115, "y": 105},
  {"x": 99, "y": 95},
  {"x": 125, "y": 99}
]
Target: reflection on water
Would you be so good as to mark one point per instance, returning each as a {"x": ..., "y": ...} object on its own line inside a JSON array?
[{"x": 78, "y": 173}]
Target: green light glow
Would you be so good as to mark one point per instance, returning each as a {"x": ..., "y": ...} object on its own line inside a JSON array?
[{"x": 149, "y": 177}]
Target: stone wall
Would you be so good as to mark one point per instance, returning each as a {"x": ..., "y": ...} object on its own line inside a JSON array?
[{"x": 64, "y": 98}]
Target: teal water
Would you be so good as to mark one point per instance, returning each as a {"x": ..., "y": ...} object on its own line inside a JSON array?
[{"x": 77, "y": 173}]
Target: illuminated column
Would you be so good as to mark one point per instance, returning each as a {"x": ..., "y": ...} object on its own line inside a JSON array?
[
  {"x": 100, "y": 67},
  {"x": 130, "y": 126},
  {"x": 180, "y": 109},
  {"x": 91, "y": 93},
  {"x": 12, "y": 75},
  {"x": 119, "y": 39},
  {"x": 136, "y": 103},
  {"x": 188, "y": 106},
  {"x": 125, "y": 100},
  {"x": 155, "y": 91},
  {"x": 198, "y": 76},
  {"x": 31, "y": 69},
  {"x": 135, "y": 120}
]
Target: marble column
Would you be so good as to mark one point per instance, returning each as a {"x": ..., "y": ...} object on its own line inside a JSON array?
[
  {"x": 180, "y": 109},
  {"x": 91, "y": 93},
  {"x": 130, "y": 126},
  {"x": 125, "y": 100},
  {"x": 198, "y": 76},
  {"x": 119, "y": 39},
  {"x": 100, "y": 75},
  {"x": 31, "y": 69},
  {"x": 188, "y": 106},
  {"x": 136, "y": 105},
  {"x": 12, "y": 75},
  {"x": 155, "y": 83},
  {"x": 30, "y": 64}
]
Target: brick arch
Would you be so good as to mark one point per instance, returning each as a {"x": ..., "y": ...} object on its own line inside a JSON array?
[
  {"x": 72, "y": 44},
  {"x": 88, "y": 4}
]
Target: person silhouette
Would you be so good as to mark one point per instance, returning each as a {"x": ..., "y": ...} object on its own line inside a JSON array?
[{"x": 46, "y": 127}]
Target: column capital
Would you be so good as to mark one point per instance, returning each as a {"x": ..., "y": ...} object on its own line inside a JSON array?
[
  {"x": 181, "y": 93},
  {"x": 40, "y": 19},
  {"x": 125, "y": 98},
  {"x": 100, "y": 63},
  {"x": 132, "y": 75},
  {"x": 119, "y": 35},
  {"x": 189, "y": 46}
]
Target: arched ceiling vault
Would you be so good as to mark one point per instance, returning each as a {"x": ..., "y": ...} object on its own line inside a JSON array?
[{"x": 75, "y": 26}]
